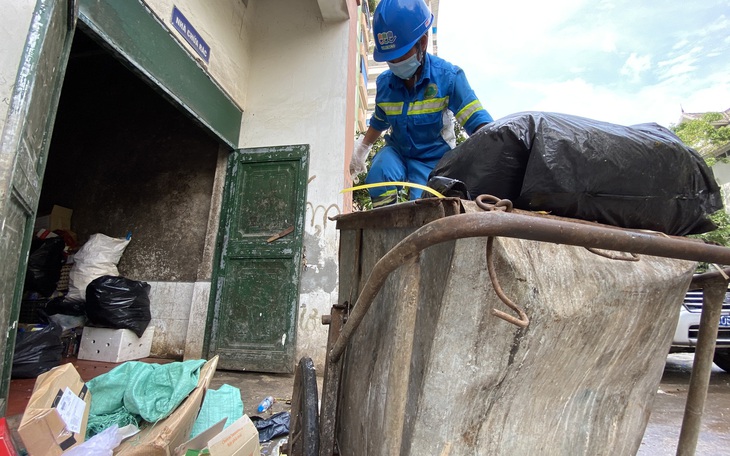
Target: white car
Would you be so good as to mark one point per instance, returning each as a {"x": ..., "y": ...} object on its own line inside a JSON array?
[{"x": 685, "y": 337}]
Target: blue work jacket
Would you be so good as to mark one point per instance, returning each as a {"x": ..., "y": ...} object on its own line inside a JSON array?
[{"x": 420, "y": 125}]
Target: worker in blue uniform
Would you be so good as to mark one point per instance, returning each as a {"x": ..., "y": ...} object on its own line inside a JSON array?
[{"x": 417, "y": 99}]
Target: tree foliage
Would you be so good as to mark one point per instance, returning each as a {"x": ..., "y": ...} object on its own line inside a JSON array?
[
  {"x": 705, "y": 137},
  {"x": 702, "y": 135}
]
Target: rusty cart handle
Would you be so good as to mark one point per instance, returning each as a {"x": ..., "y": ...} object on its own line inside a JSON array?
[{"x": 522, "y": 226}]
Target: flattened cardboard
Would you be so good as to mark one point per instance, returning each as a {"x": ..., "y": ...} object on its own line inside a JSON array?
[
  {"x": 163, "y": 437},
  {"x": 42, "y": 429}
]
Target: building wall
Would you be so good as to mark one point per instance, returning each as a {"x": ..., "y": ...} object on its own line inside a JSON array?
[
  {"x": 289, "y": 71},
  {"x": 13, "y": 31},
  {"x": 224, "y": 26},
  {"x": 292, "y": 74},
  {"x": 722, "y": 176},
  {"x": 298, "y": 94}
]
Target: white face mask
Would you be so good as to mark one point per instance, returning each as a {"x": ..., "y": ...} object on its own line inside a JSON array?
[{"x": 407, "y": 68}]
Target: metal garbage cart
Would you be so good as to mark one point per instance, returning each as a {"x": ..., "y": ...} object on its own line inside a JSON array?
[{"x": 471, "y": 328}]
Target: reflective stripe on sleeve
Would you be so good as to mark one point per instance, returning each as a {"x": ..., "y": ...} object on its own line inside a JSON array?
[
  {"x": 428, "y": 106},
  {"x": 464, "y": 115},
  {"x": 391, "y": 109}
]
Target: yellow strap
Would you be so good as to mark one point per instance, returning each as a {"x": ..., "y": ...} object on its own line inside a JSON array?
[{"x": 402, "y": 184}]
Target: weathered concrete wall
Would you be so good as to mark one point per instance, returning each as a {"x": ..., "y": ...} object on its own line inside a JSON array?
[
  {"x": 124, "y": 159},
  {"x": 297, "y": 94},
  {"x": 289, "y": 70},
  {"x": 127, "y": 160},
  {"x": 170, "y": 307},
  {"x": 14, "y": 25}
]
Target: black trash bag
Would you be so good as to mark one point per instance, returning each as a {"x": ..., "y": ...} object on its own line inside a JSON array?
[
  {"x": 270, "y": 428},
  {"x": 448, "y": 187},
  {"x": 119, "y": 303},
  {"x": 44, "y": 265},
  {"x": 639, "y": 177},
  {"x": 38, "y": 351},
  {"x": 60, "y": 306},
  {"x": 492, "y": 161}
]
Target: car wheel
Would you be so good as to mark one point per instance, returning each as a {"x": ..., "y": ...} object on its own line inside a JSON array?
[{"x": 722, "y": 359}]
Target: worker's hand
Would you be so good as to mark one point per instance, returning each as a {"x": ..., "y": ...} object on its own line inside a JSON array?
[{"x": 359, "y": 155}]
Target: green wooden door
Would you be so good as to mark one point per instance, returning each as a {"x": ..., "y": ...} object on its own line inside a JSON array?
[
  {"x": 252, "y": 322},
  {"x": 23, "y": 151}
]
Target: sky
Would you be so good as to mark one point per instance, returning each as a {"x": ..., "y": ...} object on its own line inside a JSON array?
[{"x": 619, "y": 61}]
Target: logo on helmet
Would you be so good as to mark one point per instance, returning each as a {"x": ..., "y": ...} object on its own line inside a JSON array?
[{"x": 385, "y": 39}]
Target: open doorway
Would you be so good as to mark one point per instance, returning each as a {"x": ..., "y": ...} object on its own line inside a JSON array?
[{"x": 125, "y": 159}]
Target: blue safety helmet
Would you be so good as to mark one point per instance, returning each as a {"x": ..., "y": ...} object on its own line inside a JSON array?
[{"x": 397, "y": 26}]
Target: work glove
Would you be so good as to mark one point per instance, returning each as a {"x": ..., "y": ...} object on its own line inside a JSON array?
[{"x": 359, "y": 155}]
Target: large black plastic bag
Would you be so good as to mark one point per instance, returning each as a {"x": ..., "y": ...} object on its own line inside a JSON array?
[
  {"x": 44, "y": 265},
  {"x": 639, "y": 177},
  {"x": 37, "y": 351},
  {"x": 119, "y": 303},
  {"x": 492, "y": 161}
]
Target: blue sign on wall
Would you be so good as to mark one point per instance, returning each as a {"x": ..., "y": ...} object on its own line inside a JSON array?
[{"x": 191, "y": 35}]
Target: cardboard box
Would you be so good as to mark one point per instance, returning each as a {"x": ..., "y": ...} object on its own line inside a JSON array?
[
  {"x": 163, "y": 437},
  {"x": 58, "y": 219},
  {"x": 114, "y": 345},
  {"x": 239, "y": 439},
  {"x": 57, "y": 412},
  {"x": 200, "y": 441}
]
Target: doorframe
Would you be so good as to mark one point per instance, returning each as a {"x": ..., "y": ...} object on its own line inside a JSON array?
[{"x": 11, "y": 143}]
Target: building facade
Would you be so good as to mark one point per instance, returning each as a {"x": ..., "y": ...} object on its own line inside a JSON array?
[{"x": 217, "y": 133}]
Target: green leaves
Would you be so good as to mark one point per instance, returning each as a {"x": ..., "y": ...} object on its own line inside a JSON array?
[
  {"x": 707, "y": 135},
  {"x": 703, "y": 134}
]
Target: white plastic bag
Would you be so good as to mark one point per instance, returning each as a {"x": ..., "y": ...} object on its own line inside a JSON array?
[
  {"x": 104, "y": 443},
  {"x": 98, "y": 257}
]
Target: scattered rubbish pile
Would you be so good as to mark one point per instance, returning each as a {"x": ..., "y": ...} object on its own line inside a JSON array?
[
  {"x": 141, "y": 408},
  {"x": 75, "y": 302}
]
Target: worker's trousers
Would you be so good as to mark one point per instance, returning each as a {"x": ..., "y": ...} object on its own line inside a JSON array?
[{"x": 389, "y": 166}]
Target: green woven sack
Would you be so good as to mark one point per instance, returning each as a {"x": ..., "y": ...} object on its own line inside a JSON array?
[
  {"x": 225, "y": 402},
  {"x": 135, "y": 391}
]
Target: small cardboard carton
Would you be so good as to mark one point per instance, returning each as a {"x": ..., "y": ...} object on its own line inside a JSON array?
[
  {"x": 239, "y": 439},
  {"x": 163, "y": 437},
  {"x": 58, "y": 219},
  {"x": 57, "y": 412}
]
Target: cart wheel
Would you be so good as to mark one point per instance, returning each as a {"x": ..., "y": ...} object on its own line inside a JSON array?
[{"x": 304, "y": 421}]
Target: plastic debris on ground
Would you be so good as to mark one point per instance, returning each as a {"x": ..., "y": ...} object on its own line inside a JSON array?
[{"x": 275, "y": 426}]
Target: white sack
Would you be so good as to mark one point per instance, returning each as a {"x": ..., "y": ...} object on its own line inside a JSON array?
[{"x": 98, "y": 257}]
